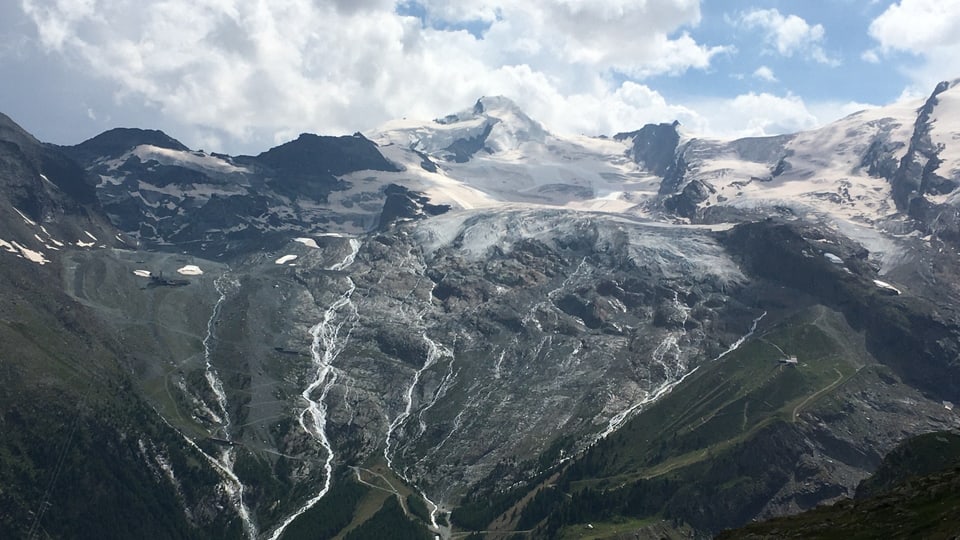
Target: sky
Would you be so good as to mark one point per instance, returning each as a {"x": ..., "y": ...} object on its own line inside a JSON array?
[{"x": 241, "y": 76}]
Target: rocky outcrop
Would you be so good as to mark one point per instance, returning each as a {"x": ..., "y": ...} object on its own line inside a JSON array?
[
  {"x": 401, "y": 204},
  {"x": 654, "y": 146},
  {"x": 461, "y": 150}
]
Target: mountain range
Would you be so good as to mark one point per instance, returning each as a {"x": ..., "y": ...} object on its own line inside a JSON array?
[{"x": 472, "y": 325}]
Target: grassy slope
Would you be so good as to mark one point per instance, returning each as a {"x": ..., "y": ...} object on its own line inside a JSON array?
[
  {"x": 71, "y": 428},
  {"x": 718, "y": 446},
  {"x": 726, "y": 402}
]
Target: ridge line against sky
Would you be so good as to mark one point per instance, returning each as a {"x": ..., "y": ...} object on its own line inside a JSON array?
[{"x": 240, "y": 76}]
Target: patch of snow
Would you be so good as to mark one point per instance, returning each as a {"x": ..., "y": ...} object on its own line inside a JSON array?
[
  {"x": 142, "y": 273},
  {"x": 945, "y": 131},
  {"x": 309, "y": 242},
  {"x": 286, "y": 258},
  {"x": 7, "y": 246},
  {"x": 190, "y": 160},
  {"x": 94, "y": 238},
  {"x": 31, "y": 255},
  {"x": 83, "y": 244},
  {"x": 26, "y": 220},
  {"x": 197, "y": 191},
  {"x": 190, "y": 270},
  {"x": 109, "y": 181},
  {"x": 886, "y": 286},
  {"x": 833, "y": 258}
]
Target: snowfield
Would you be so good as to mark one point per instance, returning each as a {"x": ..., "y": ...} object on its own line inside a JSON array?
[
  {"x": 190, "y": 270},
  {"x": 515, "y": 161}
]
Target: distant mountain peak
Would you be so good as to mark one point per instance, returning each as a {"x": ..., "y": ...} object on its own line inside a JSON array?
[
  {"x": 496, "y": 109},
  {"x": 118, "y": 141},
  {"x": 494, "y": 124},
  {"x": 493, "y": 103}
]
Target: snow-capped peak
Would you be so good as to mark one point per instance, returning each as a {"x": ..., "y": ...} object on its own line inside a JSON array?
[
  {"x": 509, "y": 127},
  {"x": 500, "y": 155},
  {"x": 492, "y": 125}
]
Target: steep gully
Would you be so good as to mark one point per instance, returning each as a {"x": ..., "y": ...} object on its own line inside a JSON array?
[
  {"x": 435, "y": 351},
  {"x": 324, "y": 349},
  {"x": 675, "y": 376},
  {"x": 227, "y": 456},
  {"x": 222, "y": 463}
]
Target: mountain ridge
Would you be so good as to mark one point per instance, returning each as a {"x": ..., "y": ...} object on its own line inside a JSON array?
[{"x": 490, "y": 324}]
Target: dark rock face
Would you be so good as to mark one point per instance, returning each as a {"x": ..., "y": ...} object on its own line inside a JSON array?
[
  {"x": 918, "y": 166},
  {"x": 316, "y": 154},
  {"x": 654, "y": 146},
  {"x": 309, "y": 165},
  {"x": 427, "y": 164},
  {"x": 403, "y": 204},
  {"x": 674, "y": 177},
  {"x": 49, "y": 189},
  {"x": 879, "y": 160},
  {"x": 462, "y": 150},
  {"x": 686, "y": 203},
  {"x": 48, "y": 160}
]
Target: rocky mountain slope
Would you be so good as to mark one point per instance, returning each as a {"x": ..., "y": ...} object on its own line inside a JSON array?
[
  {"x": 912, "y": 495},
  {"x": 473, "y": 324}
]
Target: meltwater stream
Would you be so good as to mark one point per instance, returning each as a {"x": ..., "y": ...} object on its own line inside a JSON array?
[
  {"x": 224, "y": 461},
  {"x": 326, "y": 345},
  {"x": 674, "y": 377},
  {"x": 223, "y": 284},
  {"x": 434, "y": 352}
]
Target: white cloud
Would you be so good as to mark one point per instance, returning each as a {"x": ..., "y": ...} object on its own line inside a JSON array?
[
  {"x": 753, "y": 115},
  {"x": 262, "y": 72},
  {"x": 245, "y": 75},
  {"x": 828, "y": 111},
  {"x": 918, "y": 25},
  {"x": 789, "y": 35},
  {"x": 928, "y": 29},
  {"x": 871, "y": 56},
  {"x": 765, "y": 74}
]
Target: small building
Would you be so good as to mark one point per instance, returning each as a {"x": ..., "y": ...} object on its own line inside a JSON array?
[{"x": 790, "y": 360}]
